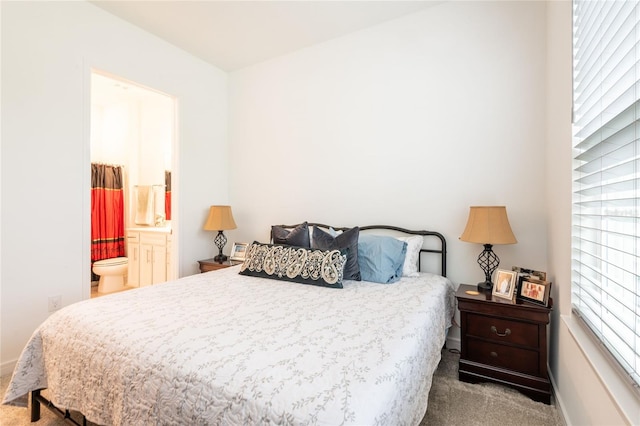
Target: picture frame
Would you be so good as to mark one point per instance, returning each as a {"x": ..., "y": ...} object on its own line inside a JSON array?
[
  {"x": 526, "y": 272},
  {"x": 504, "y": 284},
  {"x": 534, "y": 290},
  {"x": 239, "y": 251}
]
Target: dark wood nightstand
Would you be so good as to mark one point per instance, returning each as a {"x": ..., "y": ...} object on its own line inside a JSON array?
[
  {"x": 504, "y": 342},
  {"x": 212, "y": 265}
]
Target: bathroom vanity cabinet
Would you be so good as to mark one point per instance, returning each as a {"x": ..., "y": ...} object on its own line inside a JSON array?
[
  {"x": 133, "y": 253},
  {"x": 149, "y": 254}
]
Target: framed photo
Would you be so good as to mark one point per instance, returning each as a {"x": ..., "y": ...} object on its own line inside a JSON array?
[
  {"x": 238, "y": 251},
  {"x": 525, "y": 272},
  {"x": 505, "y": 284},
  {"x": 534, "y": 290}
]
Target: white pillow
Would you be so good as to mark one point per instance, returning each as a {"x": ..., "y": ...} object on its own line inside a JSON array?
[{"x": 410, "y": 266}]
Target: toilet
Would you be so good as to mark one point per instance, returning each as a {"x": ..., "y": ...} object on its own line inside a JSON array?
[{"x": 112, "y": 273}]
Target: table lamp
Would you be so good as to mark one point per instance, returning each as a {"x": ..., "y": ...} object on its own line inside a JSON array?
[
  {"x": 488, "y": 225},
  {"x": 220, "y": 219}
]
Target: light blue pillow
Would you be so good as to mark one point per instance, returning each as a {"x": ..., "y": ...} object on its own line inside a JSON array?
[{"x": 381, "y": 258}]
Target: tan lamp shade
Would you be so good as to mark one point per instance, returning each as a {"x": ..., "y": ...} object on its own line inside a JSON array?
[
  {"x": 488, "y": 225},
  {"x": 220, "y": 219}
]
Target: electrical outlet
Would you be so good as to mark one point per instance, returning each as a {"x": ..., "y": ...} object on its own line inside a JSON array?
[{"x": 55, "y": 303}]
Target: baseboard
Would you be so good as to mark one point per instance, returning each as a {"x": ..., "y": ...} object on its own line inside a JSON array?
[
  {"x": 557, "y": 398},
  {"x": 453, "y": 343},
  {"x": 6, "y": 368}
]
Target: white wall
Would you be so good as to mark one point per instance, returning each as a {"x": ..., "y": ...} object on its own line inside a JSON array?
[
  {"x": 582, "y": 395},
  {"x": 412, "y": 121},
  {"x": 48, "y": 49},
  {"x": 406, "y": 123}
]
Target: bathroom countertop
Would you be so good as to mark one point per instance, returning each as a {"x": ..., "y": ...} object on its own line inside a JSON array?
[{"x": 159, "y": 229}]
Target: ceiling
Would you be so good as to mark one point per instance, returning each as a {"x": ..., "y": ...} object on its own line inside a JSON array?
[{"x": 234, "y": 34}]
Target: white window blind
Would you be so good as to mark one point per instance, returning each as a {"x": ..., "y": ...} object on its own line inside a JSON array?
[{"x": 606, "y": 175}]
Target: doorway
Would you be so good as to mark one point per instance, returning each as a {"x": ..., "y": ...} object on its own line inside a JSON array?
[{"x": 133, "y": 129}]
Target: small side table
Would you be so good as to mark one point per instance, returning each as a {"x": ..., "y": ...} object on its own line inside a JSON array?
[
  {"x": 504, "y": 342},
  {"x": 212, "y": 265}
]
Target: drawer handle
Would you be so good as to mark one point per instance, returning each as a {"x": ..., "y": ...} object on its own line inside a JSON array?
[
  {"x": 495, "y": 330},
  {"x": 493, "y": 354}
]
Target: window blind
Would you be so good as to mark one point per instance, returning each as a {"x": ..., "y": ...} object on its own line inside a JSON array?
[{"x": 605, "y": 289}]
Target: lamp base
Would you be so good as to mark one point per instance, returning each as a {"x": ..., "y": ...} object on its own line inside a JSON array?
[
  {"x": 220, "y": 241},
  {"x": 488, "y": 262},
  {"x": 485, "y": 286}
]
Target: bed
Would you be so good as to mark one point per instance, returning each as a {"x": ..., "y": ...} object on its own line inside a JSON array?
[{"x": 227, "y": 348}]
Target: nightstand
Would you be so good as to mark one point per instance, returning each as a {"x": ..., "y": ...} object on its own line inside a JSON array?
[
  {"x": 212, "y": 265},
  {"x": 504, "y": 342}
]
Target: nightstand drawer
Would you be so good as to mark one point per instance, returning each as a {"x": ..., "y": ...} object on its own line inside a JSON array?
[
  {"x": 502, "y": 330},
  {"x": 509, "y": 357}
]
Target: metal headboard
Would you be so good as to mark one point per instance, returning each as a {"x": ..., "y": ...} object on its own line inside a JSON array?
[{"x": 442, "y": 250}]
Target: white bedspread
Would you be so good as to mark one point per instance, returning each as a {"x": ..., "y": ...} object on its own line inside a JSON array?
[{"x": 222, "y": 348}]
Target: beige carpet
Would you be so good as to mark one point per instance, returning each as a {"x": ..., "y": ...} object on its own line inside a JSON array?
[{"x": 451, "y": 403}]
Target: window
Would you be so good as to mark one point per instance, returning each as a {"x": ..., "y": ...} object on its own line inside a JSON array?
[{"x": 606, "y": 175}]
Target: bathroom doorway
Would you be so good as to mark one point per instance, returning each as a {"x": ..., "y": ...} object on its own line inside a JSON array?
[{"x": 132, "y": 131}]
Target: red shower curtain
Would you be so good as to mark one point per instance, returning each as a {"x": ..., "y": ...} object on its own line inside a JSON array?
[{"x": 107, "y": 212}]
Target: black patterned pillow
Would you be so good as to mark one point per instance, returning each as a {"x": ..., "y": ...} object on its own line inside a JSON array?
[
  {"x": 297, "y": 264},
  {"x": 298, "y": 236}
]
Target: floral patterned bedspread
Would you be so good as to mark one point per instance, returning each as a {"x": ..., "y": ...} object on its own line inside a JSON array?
[{"x": 222, "y": 348}]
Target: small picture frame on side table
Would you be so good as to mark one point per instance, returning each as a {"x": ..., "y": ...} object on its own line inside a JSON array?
[
  {"x": 504, "y": 284},
  {"x": 526, "y": 272},
  {"x": 238, "y": 251},
  {"x": 534, "y": 290}
]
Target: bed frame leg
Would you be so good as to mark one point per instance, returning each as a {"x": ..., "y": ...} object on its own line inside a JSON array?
[
  {"x": 35, "y": 406},
  {"x": 37, "y": 400}
]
